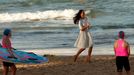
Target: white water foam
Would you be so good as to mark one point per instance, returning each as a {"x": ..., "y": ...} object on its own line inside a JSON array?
[{"x": 39, "y": 15}]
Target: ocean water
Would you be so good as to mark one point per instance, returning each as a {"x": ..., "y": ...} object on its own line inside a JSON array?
[{"x": 48, "y": 24}]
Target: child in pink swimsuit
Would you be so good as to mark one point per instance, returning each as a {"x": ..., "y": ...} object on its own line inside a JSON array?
[
  {"x": 6, "y": 43},
  {"x": 122, "y": 52}
]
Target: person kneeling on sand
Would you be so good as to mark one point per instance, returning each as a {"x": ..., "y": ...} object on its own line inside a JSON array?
[{"x": 122, "y": 52}]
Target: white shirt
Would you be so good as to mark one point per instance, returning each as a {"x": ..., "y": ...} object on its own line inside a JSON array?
[{"x": 83, "y": 22}]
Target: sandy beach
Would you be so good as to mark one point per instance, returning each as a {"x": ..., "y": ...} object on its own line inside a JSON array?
[
  {"x": 64, "y": 65},
  {"x": 45, "y": 27}
]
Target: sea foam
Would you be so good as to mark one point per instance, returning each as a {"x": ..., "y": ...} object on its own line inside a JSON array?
[{"x": 65, "y": 14}]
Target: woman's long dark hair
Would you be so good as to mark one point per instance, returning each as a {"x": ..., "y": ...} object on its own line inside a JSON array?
[{"x": 77, "y": 17}]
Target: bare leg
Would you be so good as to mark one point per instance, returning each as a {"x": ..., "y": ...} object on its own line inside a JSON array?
[
  {"x": 78, "y": 53},
  {"x": 5, "y": 70},
  {"x": 89, "y": 54},
  {"x": 128, "y": 73},
  {"x": 13, "y": 70}
]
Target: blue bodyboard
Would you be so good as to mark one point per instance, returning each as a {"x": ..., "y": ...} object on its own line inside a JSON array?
[{"x": 22, "y": 57}]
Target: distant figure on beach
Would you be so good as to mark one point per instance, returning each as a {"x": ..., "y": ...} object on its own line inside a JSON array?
[
  {"x": 84, "y": 39},
  {"x": 6, "y": 43},
  {"x": 122, "y": 53}
]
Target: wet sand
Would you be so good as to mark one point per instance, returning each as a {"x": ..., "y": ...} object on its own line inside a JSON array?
[{"x": 64, "y": 65}]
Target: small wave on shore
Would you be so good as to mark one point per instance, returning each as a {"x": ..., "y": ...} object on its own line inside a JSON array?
[{"x": 65, "y": 14}]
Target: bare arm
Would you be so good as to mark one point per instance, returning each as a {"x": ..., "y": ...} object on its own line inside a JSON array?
[
  {"x": 128, "y": 48},
  {"x": 8, "y": 46},
  {"x": 115, "y": 46},
  {"x": 126, "y": 45},
  {"x": 84, "y": 28}
]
